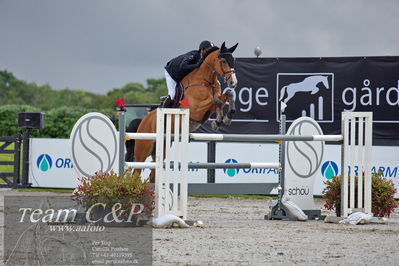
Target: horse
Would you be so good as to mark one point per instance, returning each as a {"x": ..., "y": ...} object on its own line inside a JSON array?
[
  {"x": 129, "y": 144},
  {"x": 309, "y": 84},
  {"x": 203, "y": 92}
]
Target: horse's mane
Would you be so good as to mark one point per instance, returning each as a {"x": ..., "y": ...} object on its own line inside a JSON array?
[{"x": 210, "y": 50}]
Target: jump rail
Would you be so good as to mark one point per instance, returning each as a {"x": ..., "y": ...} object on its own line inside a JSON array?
[
  {"x": 209, "y": 165},
  {"x": 355, "y": 126},
  {"x": 242, "y": 138}
]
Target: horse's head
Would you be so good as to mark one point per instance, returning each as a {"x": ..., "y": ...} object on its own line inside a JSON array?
[
  {"x": 324, "y": 80},
  {"x": 225, "y": 67}
]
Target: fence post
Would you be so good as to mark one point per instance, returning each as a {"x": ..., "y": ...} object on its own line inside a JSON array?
[
  {"x": 121, "y": 116},
  {"x": 25, "y": 159},
  {"x": 211, "y": 159}
]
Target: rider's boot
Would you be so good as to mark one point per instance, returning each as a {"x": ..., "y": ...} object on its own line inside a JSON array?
[{"x": 167, "y": 102}]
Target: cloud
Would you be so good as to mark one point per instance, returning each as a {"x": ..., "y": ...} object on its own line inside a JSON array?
[{"x": 99, "y": 45}]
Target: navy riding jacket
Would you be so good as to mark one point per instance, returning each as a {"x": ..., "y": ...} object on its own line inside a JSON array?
[{"x": 182, "y": 65}]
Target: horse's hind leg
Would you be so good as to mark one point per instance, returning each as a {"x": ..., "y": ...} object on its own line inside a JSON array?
[
  {"x": 228, "y": 95},
  {"x": 219, "y": 114}
]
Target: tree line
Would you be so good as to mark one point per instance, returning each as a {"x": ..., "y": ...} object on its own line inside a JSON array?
[
  {"x": 63, "y": 108},
  {"x": 16, "y": 91}
]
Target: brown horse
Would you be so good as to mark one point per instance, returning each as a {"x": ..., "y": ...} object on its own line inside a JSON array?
[{"x": 204, "y": 94}]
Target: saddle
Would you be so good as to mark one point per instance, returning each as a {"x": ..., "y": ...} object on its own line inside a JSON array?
[{"x": 179, "y": 94}]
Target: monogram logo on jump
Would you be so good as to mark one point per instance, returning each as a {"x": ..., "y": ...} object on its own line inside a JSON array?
[
  {"x": 306, "y": 94},
  {"x": 94, "y": 144}
]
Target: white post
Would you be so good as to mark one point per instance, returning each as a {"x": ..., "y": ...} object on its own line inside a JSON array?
[
  {"x": 185, "y": 121},
  {"x": 160, "y": 195},
  {"x": 171, "y": 182},
  {"x": 367, "y": 161},
  {"x": 352, "y": 160},
  {"x": 356, "y": 159},
  {"x": 344, "y": 166},
  {"x": 176, "y": 180}
]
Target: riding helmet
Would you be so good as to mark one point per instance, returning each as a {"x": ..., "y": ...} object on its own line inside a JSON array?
[{"x": 204, "y": 45}]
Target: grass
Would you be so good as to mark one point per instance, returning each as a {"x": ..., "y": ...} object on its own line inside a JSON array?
[
  {"x": 56, "y": 190},
  {"x": 6, "y": 157}
]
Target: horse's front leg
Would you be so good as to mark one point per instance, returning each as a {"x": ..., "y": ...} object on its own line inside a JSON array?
[
  {"x": 219, "y": 114},
  {"x": 228, "y": 95},
  {"x": 143, "y": 149}
]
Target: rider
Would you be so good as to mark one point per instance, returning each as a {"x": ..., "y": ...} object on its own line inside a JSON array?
[{"x": 177, "y": 68}]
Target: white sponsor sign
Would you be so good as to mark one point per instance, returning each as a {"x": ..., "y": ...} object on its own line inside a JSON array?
[
  {"x": 303, "y": 160},
  {"x": 94, "y": 145},
  {"x": 51, "y": 164}
]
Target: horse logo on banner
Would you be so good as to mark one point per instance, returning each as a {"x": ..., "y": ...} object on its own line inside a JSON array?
[
  {"x": 306, "y": 94},
  {"x": 309, "y": 84}
]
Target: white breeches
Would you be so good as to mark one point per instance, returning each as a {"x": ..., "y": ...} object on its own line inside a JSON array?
[{"x": 171, "y": 84}]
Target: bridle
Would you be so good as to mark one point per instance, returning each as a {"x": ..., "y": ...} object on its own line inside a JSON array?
[
  {"x": 232, "y": 71},
  {"x": 224, "y": 73},
  {"x": 215, "y": 74}
]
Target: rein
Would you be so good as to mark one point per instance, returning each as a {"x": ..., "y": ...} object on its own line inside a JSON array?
[
  {"x": 208, "y": 84},
  {"x": 213, "y": 85}
]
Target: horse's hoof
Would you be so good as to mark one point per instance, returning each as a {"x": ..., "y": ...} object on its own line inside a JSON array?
[
  {"x": 226, "y": 120},
  {"x": 215, "y": 125}
]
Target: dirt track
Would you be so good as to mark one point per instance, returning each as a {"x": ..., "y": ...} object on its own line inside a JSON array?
[{"x": 235, "y": 233}]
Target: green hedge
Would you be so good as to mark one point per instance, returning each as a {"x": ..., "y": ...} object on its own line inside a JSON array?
[
  {"x": 58, "y": 122},
  {"x": 9, "y": 118}
]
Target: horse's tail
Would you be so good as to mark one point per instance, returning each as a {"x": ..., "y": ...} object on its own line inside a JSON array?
[
  {"x": 282, "y": 93},
  {"x": 132, "y": 128}
]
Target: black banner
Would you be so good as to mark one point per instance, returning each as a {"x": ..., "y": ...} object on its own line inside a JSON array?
[{"x": 321, "y": 88}]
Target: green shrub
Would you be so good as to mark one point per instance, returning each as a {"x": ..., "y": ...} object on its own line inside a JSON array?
[
  {"x": 382, "y": 194},
  {"x": 383, "y": 191},
  {"x": 58, "y": 122},
  {"x": 9, "y": 118}
]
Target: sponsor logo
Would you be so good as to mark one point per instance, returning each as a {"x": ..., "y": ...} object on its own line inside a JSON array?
[
  {"x": 307, "y": 94},
  {"x": 380, "y": 97},
  {"x": 44, "y": 162},
  {"x": 329, "y": 169},
  {"x": 386, "y": 171},
  {"x": 251, "y": 171},
  {"x": 304, "y": 158},
  {"x": 231, "y": 172},
  {"x": 94, "y": 144},
  {"x": 298, "y": 191}
]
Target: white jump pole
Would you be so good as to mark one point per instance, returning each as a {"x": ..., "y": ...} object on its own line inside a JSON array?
[{"x": 356, "y": 161}]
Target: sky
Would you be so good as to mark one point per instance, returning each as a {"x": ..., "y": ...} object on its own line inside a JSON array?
[{"x": 99, "y": 45}]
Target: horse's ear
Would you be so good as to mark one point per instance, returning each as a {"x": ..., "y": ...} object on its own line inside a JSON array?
[
  {"x": 232, "y": 49},
  {"x": 223, "y": 47}
]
